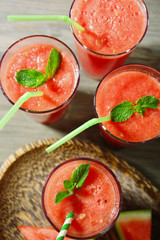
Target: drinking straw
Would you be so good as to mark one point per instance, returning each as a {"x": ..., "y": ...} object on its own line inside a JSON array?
[
  {"x": 65, "y": 226},
  {"x": 17, "y": 105},
  {"x": 75, "y": 132},
  {"x": 46, "y": 18}
]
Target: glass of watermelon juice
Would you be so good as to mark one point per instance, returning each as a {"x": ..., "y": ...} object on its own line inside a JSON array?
[
  {"x": 113, "y": 29},
  {"x": 129, "y": 83},
  {"x": 32, "y": 52},
  {"x": 96, "y": 205}
]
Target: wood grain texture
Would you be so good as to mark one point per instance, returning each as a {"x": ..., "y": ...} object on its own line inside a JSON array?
[{"x": 23, "y": 175}]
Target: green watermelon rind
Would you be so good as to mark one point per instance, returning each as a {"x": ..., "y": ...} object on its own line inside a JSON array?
[{"x": 131, "y": 215}]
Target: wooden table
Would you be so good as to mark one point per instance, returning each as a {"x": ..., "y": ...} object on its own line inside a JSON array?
[{"x": 21, "y": 129}]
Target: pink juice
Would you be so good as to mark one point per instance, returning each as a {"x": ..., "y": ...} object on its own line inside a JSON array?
[
  {"x": 58, "y": 91},
  {"x": 96, "y": 204},
  {"x": 112, "y": 30},
  {"x": 129, "y": 83}
]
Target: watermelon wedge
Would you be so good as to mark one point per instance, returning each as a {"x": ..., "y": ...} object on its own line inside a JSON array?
[
  {"x": 38, "y": 233},
  {"x": 134, "y": 225}
]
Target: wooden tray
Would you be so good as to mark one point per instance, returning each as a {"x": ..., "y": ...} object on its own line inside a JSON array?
[{"x": 23, "y": 174}]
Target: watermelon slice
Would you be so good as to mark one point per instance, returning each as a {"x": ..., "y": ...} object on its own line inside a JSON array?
[
  {"x": 134, "y": 225},
  {"x": 38, "y": 233}
]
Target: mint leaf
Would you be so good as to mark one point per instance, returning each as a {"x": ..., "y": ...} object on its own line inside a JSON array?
[
  {"x": 79, "y": 175},
  {"x": 69, "y": 185},
  {"x": 77, "y": 180},
  {"x": 62, "y": 195},
  {"x": 53, "y": 63},
  {"x": 30, "y": 78},
  {"x": 146, "y": 102},
  {"x": 122, "y": 111},
  {"x": 33, "y": 78}
]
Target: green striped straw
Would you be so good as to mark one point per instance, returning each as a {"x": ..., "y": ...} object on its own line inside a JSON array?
[
  {"x": 65, "y": 226},
  {"x": 17, "y": 105}
]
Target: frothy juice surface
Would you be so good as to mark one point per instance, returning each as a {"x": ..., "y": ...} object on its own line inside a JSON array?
[
  {"x": 56, "y": 90},
  {"x": 111, "y": 27},
  {"x": 95, "y": 204},
  {"x": 130, "y": 86}
]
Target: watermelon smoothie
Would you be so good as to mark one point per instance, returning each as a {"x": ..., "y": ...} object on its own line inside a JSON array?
[
  {"x": 113, "y": 29},
  {"x": 33, "y": 53},
  {"x": 96, "y": 205},
  {"x": 129, "y": 83}
]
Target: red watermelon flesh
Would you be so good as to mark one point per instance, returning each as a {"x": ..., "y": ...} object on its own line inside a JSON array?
[
  {"x": 38, "y": 233},
  {"x": 134, "y": 225}
]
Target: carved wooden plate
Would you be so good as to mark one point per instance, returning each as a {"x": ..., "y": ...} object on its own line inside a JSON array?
[{"x": 23, "y": 174}]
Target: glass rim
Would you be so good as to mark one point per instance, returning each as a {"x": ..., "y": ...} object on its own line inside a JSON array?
[
  {"x": 77, "y": 81},
  {"x": 116, "y": 54},
  {"x": 116, "y": 182},
  {"x": 94, "y": 103}
]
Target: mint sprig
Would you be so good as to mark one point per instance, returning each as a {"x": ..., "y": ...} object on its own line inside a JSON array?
[
  {"x": 146, "y": 102},
  {"x": 33, "y": 78},
  {"x": 125, "y": 110},
  {"x": 77, "y": 180}
]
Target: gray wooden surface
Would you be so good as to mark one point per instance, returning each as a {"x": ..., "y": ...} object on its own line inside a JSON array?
[{"x": 21, "y": 129}]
